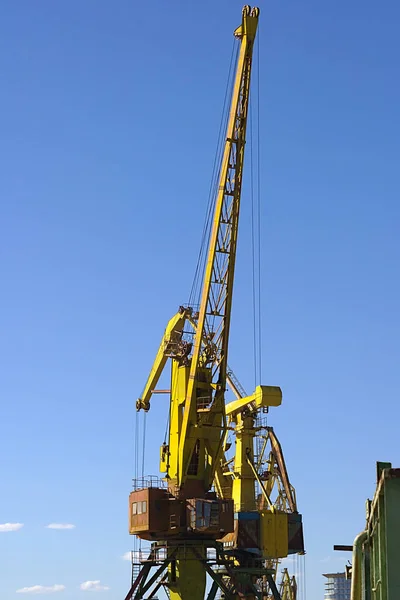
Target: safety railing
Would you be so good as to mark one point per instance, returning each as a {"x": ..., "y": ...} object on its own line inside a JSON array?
[{"x": 149, "y": 481}]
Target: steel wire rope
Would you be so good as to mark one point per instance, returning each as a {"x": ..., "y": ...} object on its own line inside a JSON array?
[
  {"x": 253, "y": 252},
  {"x": 144, "y": 441},
  {"x": 256, "y": 237},
  {"x": 137, "y": 445},
  {"x": 212, "y": 183},
  {"x": 301, "y": 577},
  {"x": 297, "y": 575},
  {"x": 222, "y": 142},
  {"x": 259, "y": 212},
  {"x": 167, "y": 427},
  {"x": 256, "y": 441},
  {"x": 256, "y": 223},
  {"x": 143, "y": 456},
  {"x": 135, "y": 474},
  {"x": 195, "y": 292}
]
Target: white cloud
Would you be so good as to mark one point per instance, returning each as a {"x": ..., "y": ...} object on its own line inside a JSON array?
[
  {"x": 137, "y": 555},
  {"x": 93, "y": 586},
  {"x": 288, "y": 560},
  {"x": 60, "y": 526},
  {"x": 326, "y": 559},
  {"x": 41, "y": 589},
  {"x": 333, "y": 558},
  {"x": 10, "y": 526}
]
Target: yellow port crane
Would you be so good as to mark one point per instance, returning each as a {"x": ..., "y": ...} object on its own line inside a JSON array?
[{"x": 186, "y": 515}]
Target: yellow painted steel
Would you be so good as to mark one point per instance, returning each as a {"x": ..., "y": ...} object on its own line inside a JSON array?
[
  {"x": 240, "y": 413},
  {"x": 274, "y": 534},
  {"x": 263, "y": 396},
  {"x": 216, "y": 298},
  {"x": 192, "y": 455},
  {"x": 171, "y": 336},
  {"x": 187, "y": 576},
  {"x": 243, "y": 492},
  {"x": 288, "y": 586}
]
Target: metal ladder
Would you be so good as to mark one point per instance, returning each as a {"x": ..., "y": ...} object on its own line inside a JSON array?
[{"x": 136, "y": 566}]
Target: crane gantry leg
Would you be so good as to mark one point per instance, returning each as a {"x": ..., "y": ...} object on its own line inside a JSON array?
[{"x": 166, "y": 560}]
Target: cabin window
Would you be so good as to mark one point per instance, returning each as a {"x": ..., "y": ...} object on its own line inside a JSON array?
[{"x": 139, "y": 508}]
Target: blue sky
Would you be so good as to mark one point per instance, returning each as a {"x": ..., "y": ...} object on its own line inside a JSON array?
[{"x": 109, "y": 116}]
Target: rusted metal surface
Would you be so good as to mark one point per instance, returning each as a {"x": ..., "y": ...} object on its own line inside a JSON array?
[
  {"x": 154, "y": 511},
  {"x": 383, "y": 474},
  {"x": 296, "y": 538},
  {"x": 210, "y": 516},
  {"x": 391, "y": 473},
  {"x": 142, "y": 575},
  {"x": 246, "y": 534},
  {"x": 278, "y": 454},
  {"x": 149, "y": 511}
]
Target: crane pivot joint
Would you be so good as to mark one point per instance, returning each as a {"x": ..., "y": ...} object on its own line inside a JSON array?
[{"x": 142, "y": 405}]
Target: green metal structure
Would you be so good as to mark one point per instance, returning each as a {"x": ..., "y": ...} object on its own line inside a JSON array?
[{"x": 375, "y": 573}]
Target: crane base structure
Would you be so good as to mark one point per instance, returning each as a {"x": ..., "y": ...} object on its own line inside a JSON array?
[{"x": 180, "y": 565}]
